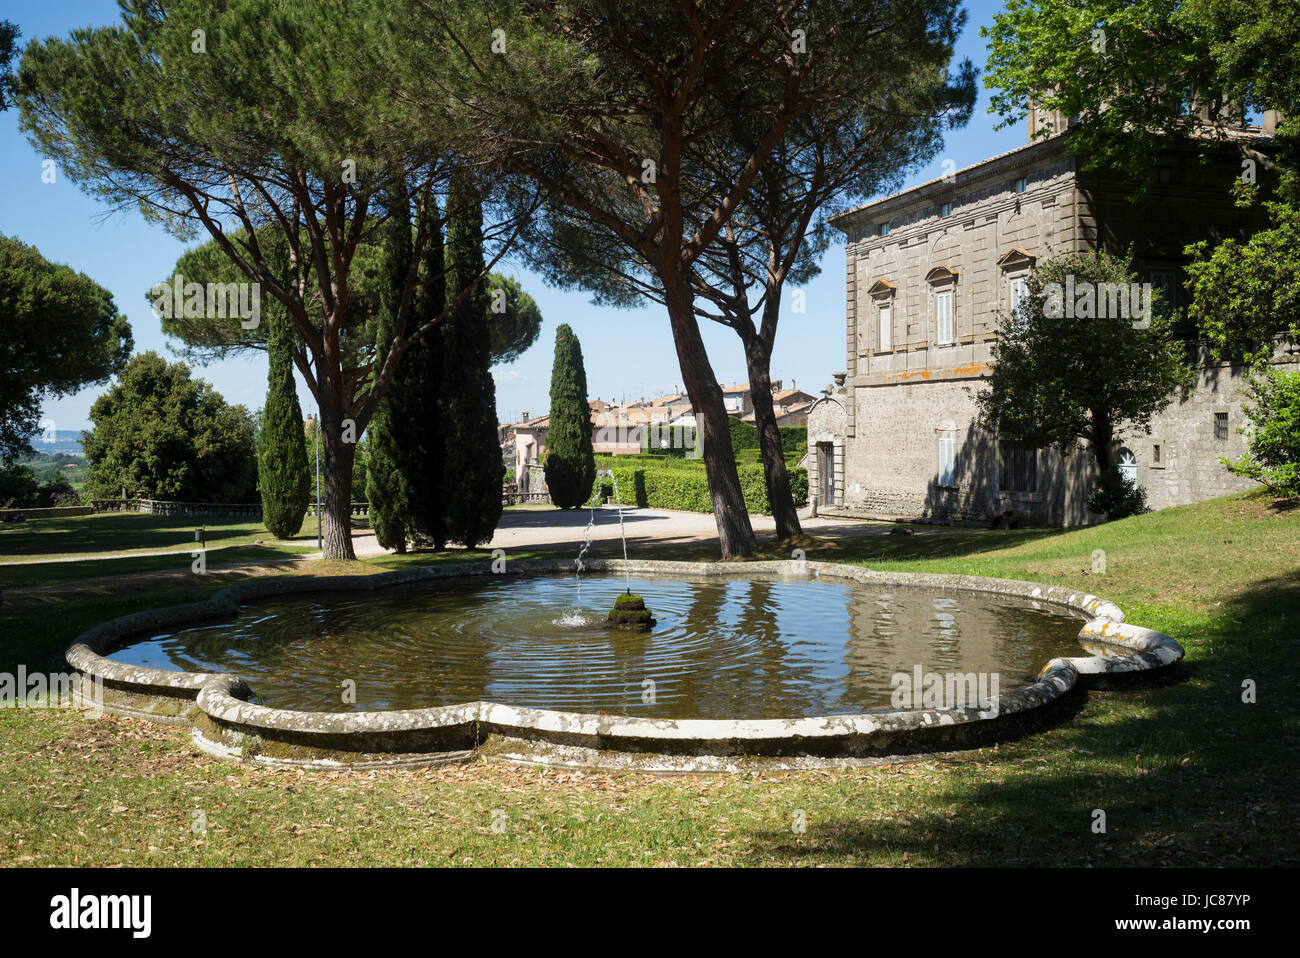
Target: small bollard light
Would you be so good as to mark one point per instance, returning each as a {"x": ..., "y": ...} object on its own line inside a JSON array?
[{"x": 199, "y": 536}]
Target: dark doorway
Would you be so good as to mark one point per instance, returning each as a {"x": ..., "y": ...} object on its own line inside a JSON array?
[{"x": 826, "y": 472}]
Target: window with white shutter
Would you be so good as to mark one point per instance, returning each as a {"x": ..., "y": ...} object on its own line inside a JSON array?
[
  {"x": 947, "y": 461},
  {"x": 943, "y": 317}
]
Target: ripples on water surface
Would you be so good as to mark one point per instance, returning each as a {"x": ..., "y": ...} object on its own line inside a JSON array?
[{"x": 723, "y": 648}]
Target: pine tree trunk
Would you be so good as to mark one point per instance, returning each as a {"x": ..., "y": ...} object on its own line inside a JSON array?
[
  {"x": 336, "y": 481},
  {"x": 1103, "y": 437},
  {"x": 779, "y": 497},
  {"x": 735, "y": 534}
]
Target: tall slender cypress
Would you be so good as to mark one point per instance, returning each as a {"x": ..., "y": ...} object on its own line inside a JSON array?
[
  {"x": 282, "y": 474},
  {"x": 424, "y": 431},
  {"x": 472, "y": 468},
  {"x": 570, "y": 461},
  {"x": 388, "y": 487}
]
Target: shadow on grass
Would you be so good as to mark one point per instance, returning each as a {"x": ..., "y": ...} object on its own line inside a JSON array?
[
  {"x": 118, "y": 532},
  {"x": 1187, "y": 773}
]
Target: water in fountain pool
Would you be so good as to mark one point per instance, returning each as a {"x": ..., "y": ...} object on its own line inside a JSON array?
[{"x": 753, "y": 647}]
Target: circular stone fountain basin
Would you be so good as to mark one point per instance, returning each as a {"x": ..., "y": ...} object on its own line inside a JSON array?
[
  {"x": 781, "y": 664},
  {"x": 757, "y": 647}
]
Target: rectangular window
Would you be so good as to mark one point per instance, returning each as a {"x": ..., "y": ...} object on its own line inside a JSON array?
[
  {"x": 1019, "y": 468},
  {"x": 885, "y": 337},
  {"x": 945, "y": 209},
  {"x": 943, "y": 317},
  {"x": 1019, "y": 288},
  {"x": 947, "y": 461},
  {"x": 1020, "y": 185},
  {"x": 1164, "y": 282},
  {"x": 882, "y": 229},
  {"x": 1155, "y": 454},
  {"x": 1220, "y": 425}
]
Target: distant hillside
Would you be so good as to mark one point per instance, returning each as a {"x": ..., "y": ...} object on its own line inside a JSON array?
[{"x": 67, "y": 441}]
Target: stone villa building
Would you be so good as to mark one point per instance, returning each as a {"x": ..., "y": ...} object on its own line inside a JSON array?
[{"x": 929, "y": 272}]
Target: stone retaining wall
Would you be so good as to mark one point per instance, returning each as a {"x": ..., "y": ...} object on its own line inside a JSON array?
[
  {"x": 52, "y": 512},
  {"x": 229, "y": 725}
]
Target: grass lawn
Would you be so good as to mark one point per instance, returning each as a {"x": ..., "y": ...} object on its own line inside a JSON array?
[
  {"x": 113, "y": 537},
  {"x": 1187, "y": 773}
]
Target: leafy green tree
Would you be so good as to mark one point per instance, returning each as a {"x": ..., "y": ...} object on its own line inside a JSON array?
[
  {"x": 1273, "y": 456},
  {"x": 281, "y": 118},
  {"x": 160, "y": 434},
  {"x": 472, "y": 469},
  {"x": 828, "y": 161},
  {"x": 1063, "y": 372},
  {"x": 281, "y": 447},
  {"x": 9, "y": 35},
  {"x": 19, "y": 487},
  {"x": 1246, "y": 294},
  {"x": 1137, "y": 72},
  {"x": 60, "y": 332},
  {"x": 618, "y": 112},
  {"x": 513, "y": 318},
  {"x": 570, "y": 462}
]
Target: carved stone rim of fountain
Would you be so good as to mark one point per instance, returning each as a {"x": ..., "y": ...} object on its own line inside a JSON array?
[{"x": 229, "y": 725}]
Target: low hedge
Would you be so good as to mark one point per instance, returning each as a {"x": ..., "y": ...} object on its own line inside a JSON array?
[
  {"x": 794, "y": 442},
  {"x": 660, "y": 486}
]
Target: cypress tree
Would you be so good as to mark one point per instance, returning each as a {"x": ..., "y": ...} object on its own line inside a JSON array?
[
  {"x": 570, "y": 462},
  {"x": 423, "y": 428},
  {"x": 388, "y": 485},
  {"x": 282, "y": 474},
  {"x": 472, "y": 468}
]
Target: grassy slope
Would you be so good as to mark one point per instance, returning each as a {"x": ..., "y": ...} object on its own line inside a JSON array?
[
  {"x": 1187, "y": 774},
  {"x": 111, "y": 534}
]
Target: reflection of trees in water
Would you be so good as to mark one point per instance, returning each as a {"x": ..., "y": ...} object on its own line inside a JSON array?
[
  {"x": 738, "y": 658},
  {"x": 724, "y": 647},
  {"x": 898, "y": 630}
]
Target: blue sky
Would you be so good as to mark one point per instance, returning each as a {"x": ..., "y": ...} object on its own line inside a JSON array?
[{"x": 627, "y": 352}]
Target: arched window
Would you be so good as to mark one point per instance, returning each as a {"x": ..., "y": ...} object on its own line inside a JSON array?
[{"x": 1128, "y": 467}]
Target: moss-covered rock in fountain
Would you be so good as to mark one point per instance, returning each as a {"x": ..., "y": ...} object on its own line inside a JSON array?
[{"x": 630, "y": 614}]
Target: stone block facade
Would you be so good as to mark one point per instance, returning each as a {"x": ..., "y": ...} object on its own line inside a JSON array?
[{"x": 931, "y": 272}]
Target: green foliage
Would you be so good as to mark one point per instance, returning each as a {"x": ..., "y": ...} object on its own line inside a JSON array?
[
  {"x": 360, "y": 472},
  {"x": 1246, "y": 293},
  {"x": 794, "y": 442},
  {"x": 160, "y": 434},
  {"x": 672, "y": 484},
  {"x": 206, "y": 339},
  {"x": 389, "y": 454},
  {"x": 683, "y": 442},
  {"x": 60, "y": 332},
  {"x": 467, "y": 417},
  {"x": 1126, "y": 69},
  {"x": 18, "y": 487},
  {"x": 9, "y": 35},
  {"x": 1058, "y": 379},
  {"x": 1273, "y": 456},
  {"x": 281, "y": 447},
  {"x": 513, "y": 318},
  {"x": 570, "y": 463},
  {"x": 743, "y": 435},
  {"x": 1136, "y": 92},
  {"x": 1117, "y": 497}
]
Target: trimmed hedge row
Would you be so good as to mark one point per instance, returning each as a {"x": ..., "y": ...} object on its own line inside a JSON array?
[{"x": 661, "y": 486}]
